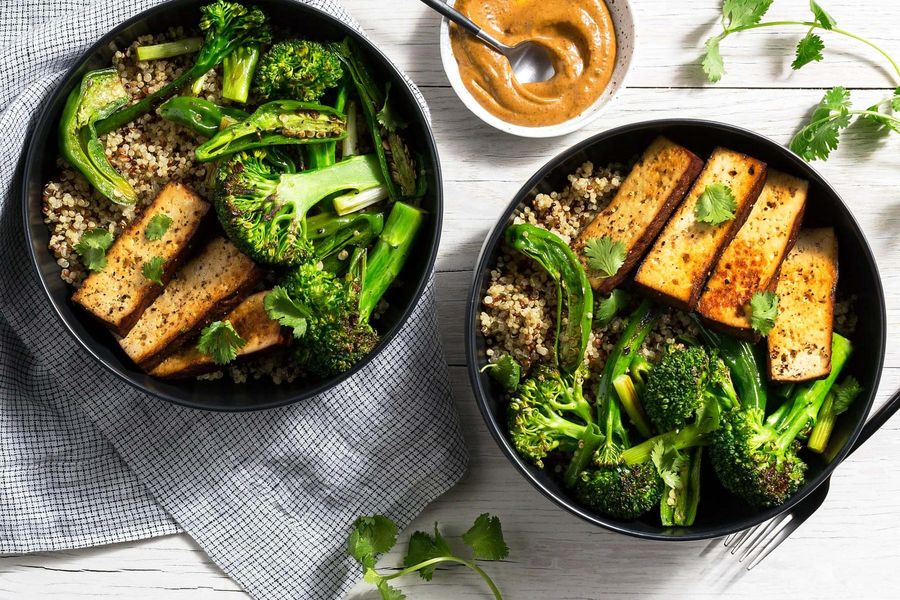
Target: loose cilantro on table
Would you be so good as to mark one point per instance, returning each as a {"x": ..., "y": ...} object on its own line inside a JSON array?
[
  {"x": 820, "y": 136},
  {"x": 377, "y": 534},
  {"x": 763, "y": 311},
  {"x": 157, "y": 227},
  {"x": 716, "y": 204},
  {"x": 605, "y": 256},
  {"x": 92, "y": 248},
  {"x": 153, "y": 269},
  {"x": 220, "y": 341}
]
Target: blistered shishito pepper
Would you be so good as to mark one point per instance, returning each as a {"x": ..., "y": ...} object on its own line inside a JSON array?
[
  {"x": 199, "y": 114},
  {"x": 574, "y": 294},
  {"x": 100, "y": 94}
]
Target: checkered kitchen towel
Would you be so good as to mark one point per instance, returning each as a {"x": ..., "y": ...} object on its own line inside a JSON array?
[{"x": 87, "y": 460}]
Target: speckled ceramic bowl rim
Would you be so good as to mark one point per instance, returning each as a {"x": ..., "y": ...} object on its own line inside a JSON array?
[{"x": 591, "y": 114}]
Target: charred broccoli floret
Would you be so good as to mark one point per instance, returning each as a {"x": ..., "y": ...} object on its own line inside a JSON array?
[
  {"x": 548, "y": 412},
  {"x": 264, "y": 211},
  {"x": 758, "y": 461},
  {"x": 681, "y": 382},
  {"x": 298, "y": 69}
]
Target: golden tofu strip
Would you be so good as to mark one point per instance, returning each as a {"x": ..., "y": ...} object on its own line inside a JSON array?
[
  {"x": 642, "y": 204},
  {"x": 751, "y": 261},
  {"x": 118, "y": 295},
  {"x": 800, "y": 341},
  {"x": 208, "y": 286},
  {"x": 250, "y": 320},
  {"x": 678, "y": 265}
]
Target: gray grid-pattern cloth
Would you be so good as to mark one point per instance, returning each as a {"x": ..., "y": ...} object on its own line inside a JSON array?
[{"x": 87, "y": 460}]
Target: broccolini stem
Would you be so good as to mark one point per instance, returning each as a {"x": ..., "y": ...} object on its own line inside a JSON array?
[
  {"x": 808, "y": 401},
  {"x": 169, "y": 49},
  {"x": 434, "y": 561},
  {"x": 591, "y": 439},
  {"x": 690, "y": 436},
  {"x": 628, "y": 397},
  {"x": 818, "y": 439},
  {"x": 744, "y": 366}
]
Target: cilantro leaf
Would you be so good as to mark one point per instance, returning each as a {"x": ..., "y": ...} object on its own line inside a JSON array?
[
  {"x": 389, "y": 592},
  {"x": 371, "y": 536},
  {"x": 809, "y": 49},
  {"x": 883, "y": 118},
  {"x": 818, "y": 138},
  {"x": 506, "y": 371},
  {"x": 153, "y": 269},
  {"x": 712, "y": 62},
  {"x": 157, "y": 226},
  {"x": 740, "y": 13},
  {"x": 609, "y": 307},
  {"x": 716, "y": 204},
  {"x": 220, "y": 341},
  {"x": 668, "y": 465},
  {"x": 485, "y": 538},
  {"x": 895, "y": 100},
  {"x": 387, "y": 116},
  {"x": 282, "y": 308},
  {"x": 423, "y": 547},
  {"x": 605, "y": 256},
  {"x": 844, "y": 394},
  {"x": 92, "y": 248},
  {"x": 821, "y": 17},
  {"x": 763, "y": 311}
]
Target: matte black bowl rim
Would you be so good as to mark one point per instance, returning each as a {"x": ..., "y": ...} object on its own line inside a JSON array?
[
  {"x": 33, "y": 154},
  {"x": 497, "y": 429}
]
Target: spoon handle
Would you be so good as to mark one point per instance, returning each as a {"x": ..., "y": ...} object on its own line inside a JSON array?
[{"x": 464, "y": 22}]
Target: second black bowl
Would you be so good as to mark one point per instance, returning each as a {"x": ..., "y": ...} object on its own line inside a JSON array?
[
  {"x": 222, "y": 394},
  {"x": 719, "y": 513}
]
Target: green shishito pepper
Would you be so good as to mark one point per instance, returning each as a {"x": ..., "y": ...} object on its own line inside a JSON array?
[
  {"x": 199, "y": 114},
  {"x": 100, "y": 94},
  {"x": 555, "y": 256},
  {"x": 276, "y": 123}
]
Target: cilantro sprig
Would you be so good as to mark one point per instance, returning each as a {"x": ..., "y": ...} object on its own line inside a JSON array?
[
  {"x": 605, "y": 256},
  {"x": 92, "y": 248},
  {"x": 282, "y": 308},
  {"x": 716, "y": 205},
  {"x": 220, "y": 341},
  {"x": 376, "y": 534},
  {"x": 153, "y": 269},
  {"x": 609, "y": 307},
  {"x": 744, "y": 15},
  {"x": 157, "y": 226},
  {"x": 763, "y": 311}
]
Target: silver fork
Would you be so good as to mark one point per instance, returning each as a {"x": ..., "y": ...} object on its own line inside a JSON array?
[{"x": 758, "y": 542}]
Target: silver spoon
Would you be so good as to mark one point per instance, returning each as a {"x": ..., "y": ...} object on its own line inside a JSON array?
[{"x": 530, "y": 61}]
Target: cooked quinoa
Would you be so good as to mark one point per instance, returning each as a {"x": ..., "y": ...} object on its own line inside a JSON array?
[{"x": 519, "y": 308}]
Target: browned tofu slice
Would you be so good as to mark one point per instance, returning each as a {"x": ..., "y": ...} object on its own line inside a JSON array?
[
  {"x": 678, "y": 264},
  {"x": 800, "y": 341},
  {"x": 208, "y": 286},
  {"x": 250, "y": 321},
  {"x": 750, "y": 262},
  {"x": 643, "y": 203},
  {"x": 119, "y": 293}
]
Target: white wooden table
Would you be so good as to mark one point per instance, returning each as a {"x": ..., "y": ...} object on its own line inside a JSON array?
[{"x": 849, "y": 549}]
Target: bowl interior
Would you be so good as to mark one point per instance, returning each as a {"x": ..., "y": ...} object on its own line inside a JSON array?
[
  {"x": 719, "y": 513},
  {"x": 624, "y": 24},
  {"x": 222, "y": 394}
]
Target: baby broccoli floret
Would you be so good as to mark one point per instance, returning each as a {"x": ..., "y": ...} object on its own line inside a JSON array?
[
  {"x": 549, "y": 411},
  {"x": 264, "y": 211},
  {"x": 682, "y": 381},
  {"x": 758, "y": 461},
  {"x": 323, "y": 311},
  {"x": 227, "y": 26},
  {"x": 612, "y": 486},
  {"x": 299, "y": 70}
]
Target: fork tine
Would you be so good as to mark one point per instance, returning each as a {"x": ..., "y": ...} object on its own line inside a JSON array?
[
  {"x": 731, "y": 538},
  {"x": 775, "y": 541},
  {"x": 760, "y": 537},
  {"x": 744, "y": 534}
]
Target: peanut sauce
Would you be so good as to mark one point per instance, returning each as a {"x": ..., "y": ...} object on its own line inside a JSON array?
[{"x": 580, "y": 38}]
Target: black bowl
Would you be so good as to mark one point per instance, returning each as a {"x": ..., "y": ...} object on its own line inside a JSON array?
[
  {"x": 222, "y": 395},
  {"x": 719, "y": 513}
]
